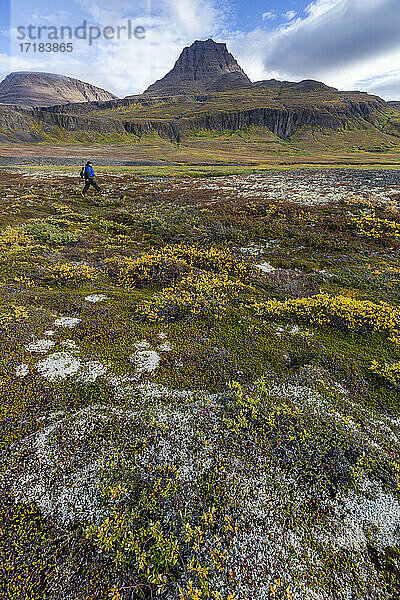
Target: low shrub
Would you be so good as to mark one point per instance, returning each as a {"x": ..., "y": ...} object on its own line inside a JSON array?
[
  {"x": 48, "y": 233},
  {"x": 71, "y": 273},
  {"x": 196, "y": 294},
  {"x": 152, "y": 267},
  {"x": 110, "y": 227},
  {"x": 374, "y": 227},
  {"x": 390, "y": 373},
  {"x": 342, "y": 311}
]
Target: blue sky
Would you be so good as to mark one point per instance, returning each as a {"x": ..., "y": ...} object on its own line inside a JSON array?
[
  {"x": 349, "y": 44},
  {"x": 4, "y": 25},
  {"x": 248, "y": 14}
]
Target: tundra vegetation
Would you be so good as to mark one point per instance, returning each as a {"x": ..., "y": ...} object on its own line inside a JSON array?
[{"x": 200, "y": 386}]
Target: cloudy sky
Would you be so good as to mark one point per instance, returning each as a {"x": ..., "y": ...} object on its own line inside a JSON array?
[{"x": 350, "y": 44}]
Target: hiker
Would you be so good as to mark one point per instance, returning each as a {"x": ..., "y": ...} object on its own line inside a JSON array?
[{"x": 88, "y": 173}]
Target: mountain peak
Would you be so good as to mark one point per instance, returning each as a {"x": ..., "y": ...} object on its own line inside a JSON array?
[
  {"x": 210, "y": 42},
  {"x": 203, "y": 66},
  {"x": 37, "y": 88}
]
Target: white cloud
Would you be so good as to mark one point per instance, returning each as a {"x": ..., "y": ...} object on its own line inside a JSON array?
[
  {"x": 335, "y": 33},
  {"x": 269, "y": 15},
  {"x": 345, "y": 43},
  {"x": 319, "y": 7},
  {"x": 386, "y": 85},
  {"x": 127, "y": 66},
  {"x": 349, "y": 44},
  {"x": 289, "y": 15}
]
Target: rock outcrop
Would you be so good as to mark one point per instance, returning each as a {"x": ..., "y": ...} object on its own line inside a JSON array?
[
  {"x": 18, "y": 124},
  {"x": 26, "y": 88},
  {"x": 203, "y": 66}
]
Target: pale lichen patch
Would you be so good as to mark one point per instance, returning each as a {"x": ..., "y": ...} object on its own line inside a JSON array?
[
  {"x": 67, "y": 322},
  {"x": 58, "y": 366}
]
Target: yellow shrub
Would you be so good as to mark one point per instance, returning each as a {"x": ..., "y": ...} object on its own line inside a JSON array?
[
  {"x": 374, "y": 227},
  {"x": 211, "y": 259},
  {"x": 344, "y": 311},
  {"x": 12, "y": 313},
  {"x": 152, "y": 267},
  {"x": 68, "y": 272},
  {"x": 389, "y": 372},
  {"x": 195, "y": 294},
  {"x": 13, "y": 238},
  {"x": 168, "y": 264},
  {"x": 372, "y": 203}
]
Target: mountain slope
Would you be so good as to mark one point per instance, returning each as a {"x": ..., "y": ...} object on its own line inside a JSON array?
[
  {"x": 307, "y": 85},
  {"x": 202, "y": 66},
  {"x": 351, "y": 120},
  {"x": 47, "y": 89}
]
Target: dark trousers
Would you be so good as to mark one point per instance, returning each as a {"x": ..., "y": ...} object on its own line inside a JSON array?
[{"x": 90, "y": 182}]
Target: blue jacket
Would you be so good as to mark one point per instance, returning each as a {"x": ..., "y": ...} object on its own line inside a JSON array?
[{"x": 89, "y": 173}]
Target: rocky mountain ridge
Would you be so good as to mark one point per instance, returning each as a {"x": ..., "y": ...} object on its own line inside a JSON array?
[
  {"x": 203, "y": 66},
  {"x": 25, "y": 88}
]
